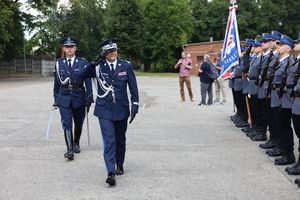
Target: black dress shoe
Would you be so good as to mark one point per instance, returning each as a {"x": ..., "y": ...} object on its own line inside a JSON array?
[
  {"x": 252, "y": 133},
  {"x": 247, "y": 129},
  {"x": 111, "y": 180},
  {"x": 241, "y": 124},
  {"x": 76, "y": 148},
  {"x": 69, "y": 155},
  {"x": 294, "y": 169},
  {"x": 259, "y": 137},
  {"x": 276, "y": 151},
  {"x": 268, "y": 145},
  {"x": 285, "y": 160},
  {"x": 119, "y": 170}
]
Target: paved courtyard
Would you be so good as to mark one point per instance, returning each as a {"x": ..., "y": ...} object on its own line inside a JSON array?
[{"x": 175, "y": 151}]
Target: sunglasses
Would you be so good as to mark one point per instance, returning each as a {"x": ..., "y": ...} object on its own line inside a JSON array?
[
  {"x": 69, "y": 46},
  {"x": 280, "y": 43}
]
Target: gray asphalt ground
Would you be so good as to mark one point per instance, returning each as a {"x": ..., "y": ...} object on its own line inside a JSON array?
[{"x": 175, "y": 151}]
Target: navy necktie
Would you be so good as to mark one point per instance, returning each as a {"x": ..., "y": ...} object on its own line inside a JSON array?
[
  {"x": 69, "y": 65},
  {"x": 112, "y": 68}
]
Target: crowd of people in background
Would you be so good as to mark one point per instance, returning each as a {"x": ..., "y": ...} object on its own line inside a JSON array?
[{"x": 206, "y": 79}]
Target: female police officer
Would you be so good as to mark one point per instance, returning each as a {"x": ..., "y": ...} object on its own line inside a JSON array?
[{"x": 113, "y": 75}]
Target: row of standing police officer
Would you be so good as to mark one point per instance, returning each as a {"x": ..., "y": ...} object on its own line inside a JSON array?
[
  {"x": 73, "y": 96},
  {"x": 266, "y": 91}
]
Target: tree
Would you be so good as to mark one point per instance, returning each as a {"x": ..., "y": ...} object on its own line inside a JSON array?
[
  {"x": 11, "y": 29},
  {"x": 168, "y": 26},
  {"x": 125, "y": 20},
  {"x": 82, "y": 20}
]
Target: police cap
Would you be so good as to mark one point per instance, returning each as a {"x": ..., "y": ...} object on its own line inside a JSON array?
[
  {"x": 276, "y": 35},
  {"x": 109, "y": 45},
  {"x": 287, "y": 40},
  {"x": 69, "y": 41},
  {"x": 266, "y": 37}
]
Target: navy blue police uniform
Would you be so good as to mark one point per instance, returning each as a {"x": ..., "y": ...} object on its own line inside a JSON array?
[
  {"x": 112, "y": 106},
  {"x": 71, "y": 94}
]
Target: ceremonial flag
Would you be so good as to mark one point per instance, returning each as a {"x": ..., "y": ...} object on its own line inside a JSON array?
[{"x": 231, "y": 47}]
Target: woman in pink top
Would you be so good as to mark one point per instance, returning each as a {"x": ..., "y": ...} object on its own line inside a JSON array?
[{"x": 185, "y": 64}]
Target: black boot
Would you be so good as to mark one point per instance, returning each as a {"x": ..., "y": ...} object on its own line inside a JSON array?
[
  {"x": 77, "y": 134},
  {"x": 69, "y": 142},
  {"x": 275, "y": 151},
  {"x": 268, "y": 145},
  {"x": 111, "y": 180},
  {"x": 297, "y": 181},
  {"x": 286, "y": 159},
  {"x": 119, "y": 170},
  {"x": 294, "y": 169}
]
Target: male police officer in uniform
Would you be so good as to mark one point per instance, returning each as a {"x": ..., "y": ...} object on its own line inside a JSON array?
[
  {"x": 265, "y": 75},
  {"x": 71, "y": 94},
  {"x": 283, "y": 115},
  {"x": 293, "y": 83},
  {"x": 112, "y": 105}
]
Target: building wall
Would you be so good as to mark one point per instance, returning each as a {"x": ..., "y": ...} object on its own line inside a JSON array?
[{"x": 198, "y": 50}]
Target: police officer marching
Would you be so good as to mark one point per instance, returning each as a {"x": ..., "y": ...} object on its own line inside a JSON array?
[
  {"x": 113, "y": 76},
  {"x": 72, "y": 94}
]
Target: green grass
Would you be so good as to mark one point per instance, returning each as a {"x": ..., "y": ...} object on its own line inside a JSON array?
[{"x": 160, "y": 74}]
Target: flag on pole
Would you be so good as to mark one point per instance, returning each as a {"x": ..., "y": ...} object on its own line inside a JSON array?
[{"x": 231, "y": 47}]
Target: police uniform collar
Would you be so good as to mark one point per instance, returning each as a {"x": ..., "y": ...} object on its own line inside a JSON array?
[
  {"x": 72, "y": 60},
  {"x": 283, "y": 58},
  {"x": 266, "y": 53},
  {"x": 114, "y": 63}
]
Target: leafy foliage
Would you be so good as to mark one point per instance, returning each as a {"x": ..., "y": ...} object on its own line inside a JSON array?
[{"x": 152, "y": 32}]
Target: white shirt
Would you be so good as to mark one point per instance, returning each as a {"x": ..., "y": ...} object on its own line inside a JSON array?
[
  {"x": 114, "y": 63},
  {"x": 72, "y": 60}
]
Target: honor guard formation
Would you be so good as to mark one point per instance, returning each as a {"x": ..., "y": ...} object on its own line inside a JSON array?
[
  {"x": 73, "y": 96},
  {"x": 266, "y": 91}
]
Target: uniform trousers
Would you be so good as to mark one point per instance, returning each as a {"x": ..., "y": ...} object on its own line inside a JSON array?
[
  {"x": 262, "y": 114},
  {"x": 271, "y": 123},
  {"x": 254, "y": 110},
  {"x": 68, "y": 114},
  {"x": 114, "y": 142},
  {"x": 296, "y": 124},
  {"x": 187, "y": 81},
  {"x": 240, "y": 102},
  {"x": 283, "y": 119}
]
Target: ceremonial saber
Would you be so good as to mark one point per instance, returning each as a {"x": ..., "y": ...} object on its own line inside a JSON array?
[
  {"x": 88, "y": 127},
  {"x": 50, "y": 122}
]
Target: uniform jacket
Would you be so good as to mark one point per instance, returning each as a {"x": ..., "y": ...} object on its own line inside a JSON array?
[
  {"x": 253, "y": 74},
  {"x": 245, "y": 69},
  {"x": 238, "y": 81},
  {"x": 296, "y": 103},
  {"x": 261, "y": 92},
  {"x": 63, "y": 95},
  {"x": 122, "y": 79},
  {"x": 270, "y": 71},
  {"x": 279, "y": 71}
]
